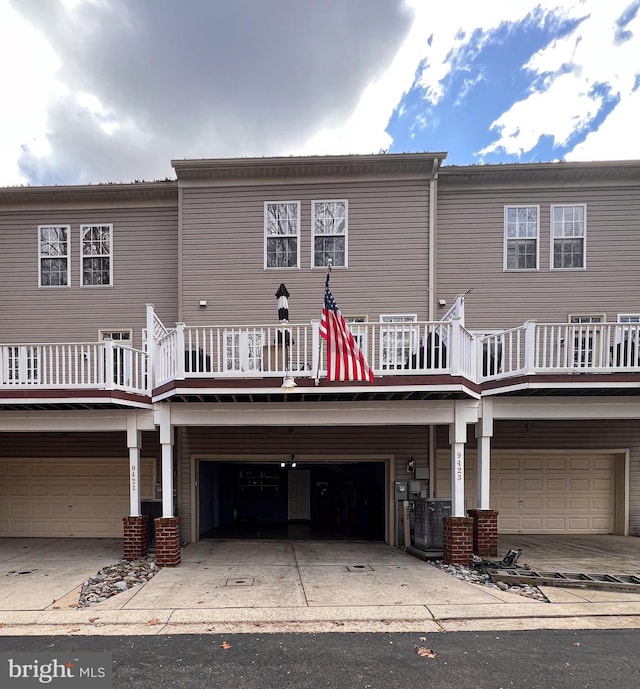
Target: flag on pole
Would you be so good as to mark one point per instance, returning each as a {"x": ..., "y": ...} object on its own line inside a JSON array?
[{"x": 345, "y": 361}]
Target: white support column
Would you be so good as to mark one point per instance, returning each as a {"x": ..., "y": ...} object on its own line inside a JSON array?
[
  {"x": 134, "y": 442},
  {"x": 163, "y": 419},
  {"x": 484, "y": 433},
  {"x": 457, "y": 440}
]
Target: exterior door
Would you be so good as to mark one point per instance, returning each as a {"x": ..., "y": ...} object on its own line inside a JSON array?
[{"x": 298, "y": 480}]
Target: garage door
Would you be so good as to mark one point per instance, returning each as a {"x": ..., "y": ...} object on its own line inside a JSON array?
[
  {"x": 538, "y": 493},
  {"x": 72, "y": 498}
]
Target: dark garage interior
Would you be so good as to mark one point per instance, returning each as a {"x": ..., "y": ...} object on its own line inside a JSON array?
[{"x": 322, "y": 500}]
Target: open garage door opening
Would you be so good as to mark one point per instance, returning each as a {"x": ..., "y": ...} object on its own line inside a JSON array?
[{"x": 311, "y": 500}]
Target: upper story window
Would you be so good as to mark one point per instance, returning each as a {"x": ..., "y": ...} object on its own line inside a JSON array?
[
  {"x": 329, "y": 229},
  {"x": 53, "y": 256},
  {"x": 95, "y": 251},
  {"x": 281, "y": 231},
  {"x": 521, "y": 232},
  {"x": 568, "y": 235},
  {"x": 628, "y": 318}
]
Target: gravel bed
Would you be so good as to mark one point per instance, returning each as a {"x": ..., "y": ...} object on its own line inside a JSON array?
[
  {"x": 117, "y": 578},
  {"x": 477, "y": 576}
]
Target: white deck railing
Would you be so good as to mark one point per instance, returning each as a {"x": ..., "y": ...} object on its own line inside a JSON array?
[
  {"x": 399, "y": 349},
  {"x": 391, "y": 349},
  {"x": 104, "y": 365},
  {"x": 536, "y": 348}
]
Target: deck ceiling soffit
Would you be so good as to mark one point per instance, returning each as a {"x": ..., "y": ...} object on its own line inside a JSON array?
[{"x": 73, "y": 420}]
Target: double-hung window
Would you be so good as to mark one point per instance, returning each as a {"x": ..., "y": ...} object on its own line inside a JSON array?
[
  {"x": 96, "y": 255},
  {"x": 281, "y": 233},
  {"x": 53, "y": 256},
  {"x": 521, "y": 237},
  {"x": 329, "y": 229},
  {"x": 568, "y": 237}
]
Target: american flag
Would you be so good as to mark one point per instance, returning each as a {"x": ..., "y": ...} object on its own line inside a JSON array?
[{"x": 345, "y": 361}]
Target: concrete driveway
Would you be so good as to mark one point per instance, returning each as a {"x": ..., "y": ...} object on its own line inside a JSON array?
[
  {"x": 594, "y": 554},
  {"x": 306, "y": 576},
  {"x": 42, "y": 573}
]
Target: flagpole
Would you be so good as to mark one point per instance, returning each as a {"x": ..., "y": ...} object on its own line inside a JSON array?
[{"x": 329, "y": 266}]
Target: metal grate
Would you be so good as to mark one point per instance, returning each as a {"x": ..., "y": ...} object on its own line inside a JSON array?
[{"x": 427, "y": 530}]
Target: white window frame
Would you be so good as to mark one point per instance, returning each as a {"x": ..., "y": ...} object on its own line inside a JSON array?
[
  {"x": 240, "y": 353},
  {"x": 344, "y": 234},
  {"x": 507, "y": 239},
  {"x": 584, "y": 345},
  {"x": 403, "y": 342},
  {"x": 268, "y": 236},
  {"x": 42, "y": 257},
  {"x": 22, "y": 364},
  {"x": 121, "y": 359},
  {"x": 553, "y": 237},
  {"x": 359, "y": 334},
  {"x": 627, "y": 340},
  {"x": 88, "y": 226}
]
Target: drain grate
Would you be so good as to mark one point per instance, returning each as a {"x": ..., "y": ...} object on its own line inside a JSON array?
[
  {"x": 14, "y": 573},
  {"x": 240, "y": 582},
  {"x": 359, "y": 568}
]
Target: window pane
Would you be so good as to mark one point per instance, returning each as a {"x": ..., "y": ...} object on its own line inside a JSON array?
[
  {"x": 282, "y": 252},
  {"x": 53, "y": 272},
  {"x": 95, "y": 271}
]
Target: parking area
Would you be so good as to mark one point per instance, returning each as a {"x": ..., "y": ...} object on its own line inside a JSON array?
[{"x": 46, "y": 574}]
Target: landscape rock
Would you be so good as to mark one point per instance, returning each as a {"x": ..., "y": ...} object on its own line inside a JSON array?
[{"x": 117, "y": 578}]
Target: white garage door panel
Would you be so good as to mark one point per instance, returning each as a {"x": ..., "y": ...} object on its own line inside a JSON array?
[
  {"x": 70, "y": 498},
  {"x": 537, "y": 493}
]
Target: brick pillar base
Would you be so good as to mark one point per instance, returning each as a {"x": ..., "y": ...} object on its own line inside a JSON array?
[
  {"x": 167, "y": 541},
  {"x": 458, "y": 540},
  {"x": 485, "y": 532},
  {"x": 135, "y": 537}
]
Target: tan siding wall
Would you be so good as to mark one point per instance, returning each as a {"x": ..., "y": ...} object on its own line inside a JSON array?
[
  {"x": 470, "y": 256},
  {"x": 559, "y": 435},
  {"x": 402, "y": 442},
  {"x": 223, "y": 253},
  {"x": 145, "y": 268}
]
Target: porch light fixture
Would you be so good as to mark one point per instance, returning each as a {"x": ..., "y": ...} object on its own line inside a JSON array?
[{"x": 288, "y": 383}]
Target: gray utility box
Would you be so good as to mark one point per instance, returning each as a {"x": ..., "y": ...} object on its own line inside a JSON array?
[
  {"x": 401, "y": 490},
  {"x": 426, "y": 522}
]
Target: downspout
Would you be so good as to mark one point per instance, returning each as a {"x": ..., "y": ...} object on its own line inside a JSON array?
[
  {"x": 432, "y": 235},
  {"x": 180, "y": 286}
]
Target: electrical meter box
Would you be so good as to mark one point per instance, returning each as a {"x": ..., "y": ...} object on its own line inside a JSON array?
[{"x": 401, "y": 490}]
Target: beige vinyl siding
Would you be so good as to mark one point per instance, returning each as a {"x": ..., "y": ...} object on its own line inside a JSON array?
[
  {"x": 401, "y": 442},
  {"x": 145, "y": 267},
  {"x": 223, "y": 252},
  {"x": 573, "y": 435},
  {"x": 471, "y": 244}
]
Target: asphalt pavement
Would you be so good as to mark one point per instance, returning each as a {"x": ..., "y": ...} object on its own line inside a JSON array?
[{"x": 585, "y": 659}]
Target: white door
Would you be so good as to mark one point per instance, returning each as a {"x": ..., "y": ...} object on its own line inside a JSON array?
[
  {"x": 299, "y": 501},
  {"x": 543, "y": 493},
  {"x": 67, "y": 498}
]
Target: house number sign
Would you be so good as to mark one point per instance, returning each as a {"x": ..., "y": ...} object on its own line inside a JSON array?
[
  {"x": 134, "y": 478},
  {"x": 459, "y": 466}
]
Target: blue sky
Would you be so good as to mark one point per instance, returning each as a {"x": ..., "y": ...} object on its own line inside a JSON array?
[{"x": 112, "y": 90}]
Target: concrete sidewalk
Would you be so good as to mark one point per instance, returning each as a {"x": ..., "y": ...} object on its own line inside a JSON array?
[{"x": 249, "y": 586}]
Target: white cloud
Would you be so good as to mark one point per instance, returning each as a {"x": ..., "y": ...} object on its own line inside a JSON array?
[
  {"x": 27, "y": 80},
  {"x": 567, "y": 103}
]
